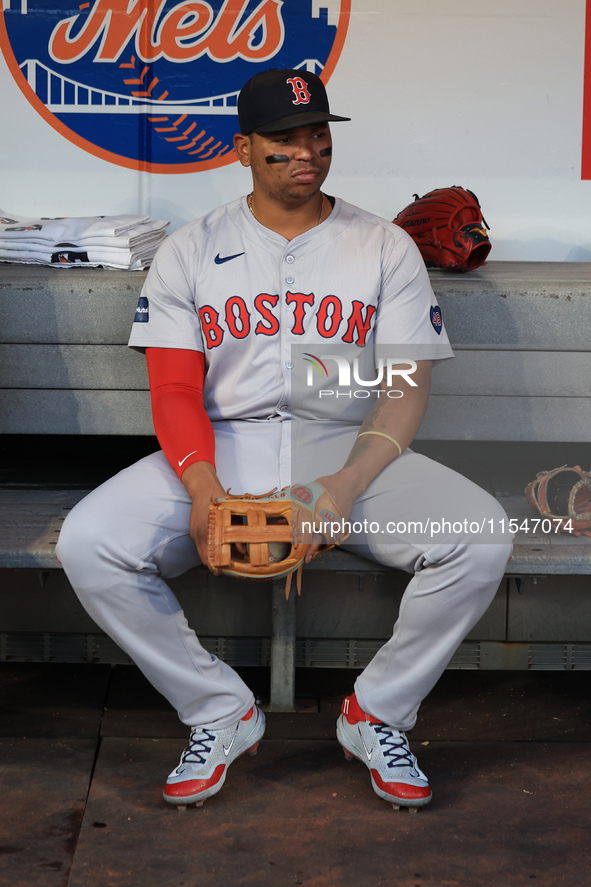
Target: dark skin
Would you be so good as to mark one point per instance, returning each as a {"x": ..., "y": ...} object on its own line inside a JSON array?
[
  {"x": 286, "y": 196},
  {"x": 287, "y": 199}
]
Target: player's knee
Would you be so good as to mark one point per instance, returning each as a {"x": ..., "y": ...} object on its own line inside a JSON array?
[
  {"x": 488, "y": 560},
  {"x": 490, "y": 556},
  {"x": 78, "y": 542}
]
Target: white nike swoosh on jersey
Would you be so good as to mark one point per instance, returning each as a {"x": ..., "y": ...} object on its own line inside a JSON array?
[
  {"x": 368, "y": 752},
  {"x": 182, "y": 461},
  {"x": 229, "y": 749}
]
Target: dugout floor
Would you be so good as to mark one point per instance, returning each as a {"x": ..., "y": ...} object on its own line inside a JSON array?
[{"x": 84, "y": 750}]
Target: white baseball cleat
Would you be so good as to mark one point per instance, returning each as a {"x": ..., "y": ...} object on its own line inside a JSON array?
[
  {"x": 202, "y": 769},
  {"x": 395, "y": 775}
]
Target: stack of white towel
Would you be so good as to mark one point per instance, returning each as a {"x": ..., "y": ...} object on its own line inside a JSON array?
[{"x": 124, "y": 242}]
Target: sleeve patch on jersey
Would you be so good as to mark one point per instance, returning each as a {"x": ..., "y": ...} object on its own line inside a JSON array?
[
  {"x": 436, "y": 319},
  {"x": 142, "y": 312}
]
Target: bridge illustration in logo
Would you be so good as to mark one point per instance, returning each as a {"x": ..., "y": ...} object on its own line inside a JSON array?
[{"x": 62, "y": 95}]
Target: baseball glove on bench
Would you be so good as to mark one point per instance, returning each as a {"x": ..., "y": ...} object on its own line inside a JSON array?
[
  {"x": 276, "y": 528},
  {"x": 448, "y": 227},
  {"x": 563, "y": 493}
]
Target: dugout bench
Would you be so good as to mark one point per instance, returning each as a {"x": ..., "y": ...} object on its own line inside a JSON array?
[{"x": 515, "y": 401}]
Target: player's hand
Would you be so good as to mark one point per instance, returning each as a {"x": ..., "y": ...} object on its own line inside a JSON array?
[
  {"x": 203, "y": 485},
  {"x": 339, "y": 487}
]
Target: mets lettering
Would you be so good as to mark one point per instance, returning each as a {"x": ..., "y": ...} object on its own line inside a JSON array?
[{"x": 185, "y": 33}]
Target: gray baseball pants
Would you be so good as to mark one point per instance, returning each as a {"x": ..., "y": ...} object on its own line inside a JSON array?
[{"x": 120, "y": 544}]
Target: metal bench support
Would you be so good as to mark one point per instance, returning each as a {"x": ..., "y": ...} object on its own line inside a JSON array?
[{"x": 283, "y": 636}]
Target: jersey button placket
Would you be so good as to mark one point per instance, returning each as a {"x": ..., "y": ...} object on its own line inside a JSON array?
[
  {"x": 290, "y": 260},
  {"x": 284, "y": 406},
  {"x": 289, "y": 280}
]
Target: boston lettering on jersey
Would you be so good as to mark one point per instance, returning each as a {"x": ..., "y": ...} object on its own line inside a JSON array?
[
  {"x": 327, "y": 319},
  {"x": 153, "y": 84}
]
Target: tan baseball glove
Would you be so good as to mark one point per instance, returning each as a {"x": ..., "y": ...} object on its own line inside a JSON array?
[
  {"x": 276, "y": 529},
  {"x": 563, "y": 493}
]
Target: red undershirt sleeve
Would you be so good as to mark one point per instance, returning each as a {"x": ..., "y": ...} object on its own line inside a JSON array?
[{"x": 182, "y": 426}]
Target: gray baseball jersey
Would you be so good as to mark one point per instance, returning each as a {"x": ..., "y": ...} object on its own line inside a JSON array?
[{"x": 242, "y": 294}]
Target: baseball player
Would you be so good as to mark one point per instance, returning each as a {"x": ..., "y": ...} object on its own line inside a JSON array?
[{"x": 224, "y": 302}]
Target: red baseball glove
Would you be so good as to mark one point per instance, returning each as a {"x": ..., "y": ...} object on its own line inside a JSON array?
[{"x": 448, "y": 227}]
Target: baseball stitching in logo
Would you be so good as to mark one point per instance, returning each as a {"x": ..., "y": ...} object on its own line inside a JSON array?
[{"x": 152, "y": 84}]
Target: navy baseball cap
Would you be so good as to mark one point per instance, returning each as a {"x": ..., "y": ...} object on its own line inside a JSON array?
[{"x": 281, "y": 99}]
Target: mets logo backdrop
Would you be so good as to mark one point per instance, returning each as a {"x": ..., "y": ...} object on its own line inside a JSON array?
[{"x": 152, "y": 84}]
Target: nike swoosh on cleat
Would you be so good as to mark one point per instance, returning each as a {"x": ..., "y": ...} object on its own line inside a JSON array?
[
  {"x": 229, "y": 749},
  {"x": 368, "y": 752},
  {"x": 219, "y": 260}
]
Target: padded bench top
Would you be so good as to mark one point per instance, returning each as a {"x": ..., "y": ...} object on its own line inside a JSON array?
[{"x": 30, "y": 522}]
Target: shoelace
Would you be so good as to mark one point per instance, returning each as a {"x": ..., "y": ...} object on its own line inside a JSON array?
[
  {"x": 395, "y": 747},
  {"x": 198, "y": 747}
]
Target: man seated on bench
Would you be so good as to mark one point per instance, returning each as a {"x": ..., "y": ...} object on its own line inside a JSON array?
[{"x": 226, "y": 298}]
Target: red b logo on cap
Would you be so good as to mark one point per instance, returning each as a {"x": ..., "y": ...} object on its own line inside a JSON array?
[{"x": 300, "y": 90}]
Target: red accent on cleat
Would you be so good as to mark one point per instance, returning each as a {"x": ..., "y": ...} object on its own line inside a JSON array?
[
  {"x": 248, "y": 714},
  {"x": 401, "y": 791},
  {"x": 194, "y": 786},
  {"x": 353, "y": 712}
]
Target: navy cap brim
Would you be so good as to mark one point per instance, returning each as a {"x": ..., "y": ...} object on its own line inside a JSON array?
[{"x": 304, "y": 118}]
